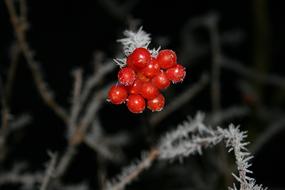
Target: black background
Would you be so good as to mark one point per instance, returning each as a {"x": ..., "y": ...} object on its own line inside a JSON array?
[{"x": 64, "y": 36}]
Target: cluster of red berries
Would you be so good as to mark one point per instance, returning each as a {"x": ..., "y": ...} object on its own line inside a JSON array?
[{"x": 143, "y": 77}]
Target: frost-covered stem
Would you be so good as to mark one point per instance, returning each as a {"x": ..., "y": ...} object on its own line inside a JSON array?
[
  {"x": 132, "y": 172},
  {"x": 49, "y": 171}
]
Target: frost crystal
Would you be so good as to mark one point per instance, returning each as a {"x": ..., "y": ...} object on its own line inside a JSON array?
[{"x": 135, "y": 40}]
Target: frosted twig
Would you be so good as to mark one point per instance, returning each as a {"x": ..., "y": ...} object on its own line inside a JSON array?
[
  {"x": 191, "y": 138},
  {"x": 180, "y": 100},
  {"x": 174, "y": 146},
  {"x": 132, "y": 171},
  {"x": 44, "y": 91},
  {"x": 49, "y": 171}
]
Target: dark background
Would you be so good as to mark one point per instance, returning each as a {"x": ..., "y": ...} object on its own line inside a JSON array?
[{"x": 65, "y": 35}]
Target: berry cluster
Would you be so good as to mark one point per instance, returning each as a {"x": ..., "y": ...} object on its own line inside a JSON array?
[{"x": 141, "y": 80}]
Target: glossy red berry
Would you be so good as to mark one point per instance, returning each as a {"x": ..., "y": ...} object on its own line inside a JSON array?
[
  {"x": 136, "y": 87},
  {"x": 117, "y": 94},
  {"x": 142, "y": 77},
  {"x": 149, "y": 91},
  {"x": 166, "y": 58},
  {"x": 176, "y": 74},
  {"x": 151, "y": 69},
  {"x": 139, "y": 58},
  {"x": 127, "y": 76},
  {"x": 161, "y": 81},
  {"x": 136, "y": 103},
  {"x": 157, "y": 103}
]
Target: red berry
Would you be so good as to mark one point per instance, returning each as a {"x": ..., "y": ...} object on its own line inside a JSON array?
[
  {"x": 136, "y": 103},
  {"x": 139, "y": 58},
  {"x": 166, "y": 58},
  {"x": 127, "y": 76},
  {"x": 151, "y": 69},
  {"x": 142, "y": 77},
  {"x": 149, "y": 91},
  {"x": 176, "y": 74},
  {"x": 157, "y": 103},
  {"x": 135, "y": 88},
  {"x": 161, "y": 81},
  {"x": 117, "y": 94}
]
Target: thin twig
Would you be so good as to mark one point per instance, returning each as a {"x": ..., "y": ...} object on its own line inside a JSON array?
[
  {"x": 15, "y": 52},
  {"x": 65, "y": 161},
  {"x": 237, "y": 67},
  {"x": 76, "y": 102},
  {"x": 180, "y": 100},
  {"x": 44, "y": 91},
  {"x": 88, "y": 116},
  {"x": 96, "y": 78},
  {"x": 49, "y": 171}
]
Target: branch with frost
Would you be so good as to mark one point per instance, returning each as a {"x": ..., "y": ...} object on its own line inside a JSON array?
[
  {"x": 182, "y": 142},
  {"x": 132, "y": 171},
  {"x": 191, "y": 138}
]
